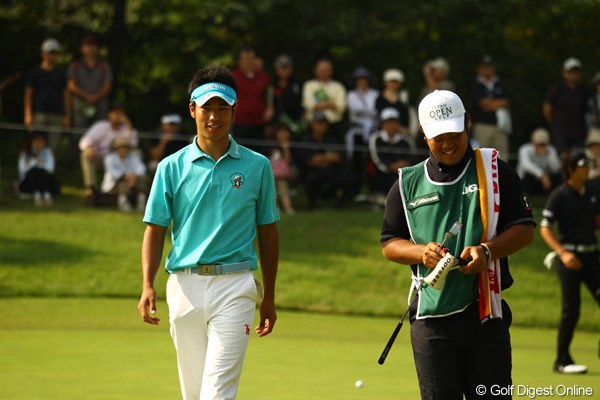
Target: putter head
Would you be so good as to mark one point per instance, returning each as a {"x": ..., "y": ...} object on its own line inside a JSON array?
[
  {"x": 452, "y": 232},
  {"x": 455, "y": 228}
]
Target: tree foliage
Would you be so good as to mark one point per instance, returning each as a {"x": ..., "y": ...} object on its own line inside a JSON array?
[{"x": 159, "y": 44}]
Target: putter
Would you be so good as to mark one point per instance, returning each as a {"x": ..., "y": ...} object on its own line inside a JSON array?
[{"x": 452, "y": 232}]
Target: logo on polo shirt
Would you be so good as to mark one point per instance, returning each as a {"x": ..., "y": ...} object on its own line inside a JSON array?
[{"x": 237, "y": 180}]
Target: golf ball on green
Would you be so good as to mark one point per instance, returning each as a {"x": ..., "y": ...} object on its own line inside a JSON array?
[{"x": 359, "y": 384}]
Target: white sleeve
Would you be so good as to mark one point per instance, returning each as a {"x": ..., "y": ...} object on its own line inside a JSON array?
[
  {"x": 308, "y": 96},
  {"x": 134, "y": 140},
  {"x": 374, "y": 154},
  {"x": 23, "y": 167},
  {"x": 526, "y": 163},
  {"x": 354, "y": 106},
  {"x": 113, "y": 166},
  {"x": 49, "y": 160},
  {"x": 90, "y": 137},
  {"x": 339, "y": 97},
  {"x": 139, "y": 168}
]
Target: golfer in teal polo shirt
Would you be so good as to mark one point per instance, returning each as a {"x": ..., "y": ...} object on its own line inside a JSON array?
[{"x": 218, "y": 196}]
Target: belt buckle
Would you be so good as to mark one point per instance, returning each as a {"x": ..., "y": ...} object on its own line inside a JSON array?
[{"x": 205, "y": 270}]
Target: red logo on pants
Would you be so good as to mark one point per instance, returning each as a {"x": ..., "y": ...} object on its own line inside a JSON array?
[{"x": 247, "y": 329}]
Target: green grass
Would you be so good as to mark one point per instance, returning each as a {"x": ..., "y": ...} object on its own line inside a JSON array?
[
  {"x": 81, "y": 348},
  {"x": 330, "y": 262}
]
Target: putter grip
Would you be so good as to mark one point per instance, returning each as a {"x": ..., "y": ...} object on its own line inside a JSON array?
[
  {"x": 437, "y": 277},
  {"x": 389, "y": 344}
]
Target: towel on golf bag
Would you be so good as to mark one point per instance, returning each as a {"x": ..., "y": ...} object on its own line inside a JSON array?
[{"x": 490, "y": 294}]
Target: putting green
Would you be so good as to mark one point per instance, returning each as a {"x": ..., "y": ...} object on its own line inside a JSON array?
[{"x": 99, "y": 349}]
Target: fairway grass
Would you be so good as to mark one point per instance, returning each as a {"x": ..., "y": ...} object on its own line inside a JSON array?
[
  {"x": 83, "y": 348},
  {"x": 330, "y": 262}
]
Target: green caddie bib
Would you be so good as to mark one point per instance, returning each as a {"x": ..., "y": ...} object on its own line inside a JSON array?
[{"x": 431, "y": 210}]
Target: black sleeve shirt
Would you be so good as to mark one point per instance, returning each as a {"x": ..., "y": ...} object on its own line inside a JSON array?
[{"x": 574, "y": 212}]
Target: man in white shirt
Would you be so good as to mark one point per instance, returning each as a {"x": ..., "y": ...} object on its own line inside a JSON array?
[
  {"x": 325, "y": 94},
  {"x": 96, "y": 143},
  {"x": 539, "y": 164}
]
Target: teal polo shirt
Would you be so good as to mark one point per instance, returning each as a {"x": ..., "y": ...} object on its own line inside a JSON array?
[{"x": 214, "y": 206}]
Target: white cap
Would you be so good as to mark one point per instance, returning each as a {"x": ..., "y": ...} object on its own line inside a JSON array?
[
  {"x": 571, "y": 63},
  {"x": 441, "y": 112},
  {"x": 439, "y": 63},
  {"x": 50, "y": 45},
  {"x": 389, "y": 113},
  {"x": 593, "y": 137},
  {"x": 171, "y": 119},
  {"x": 540, "y": 136},
  {"x": 393, "y": 75}
]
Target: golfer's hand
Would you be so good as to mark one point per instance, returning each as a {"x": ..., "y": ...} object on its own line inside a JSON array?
[
  {"x": 268, "y": 316},
  {"x": 477, "y": 260},
  {"x": 570, "y": 260},
  {"x": 433, "y": 254},
  {"x": 147, "y": 306}
]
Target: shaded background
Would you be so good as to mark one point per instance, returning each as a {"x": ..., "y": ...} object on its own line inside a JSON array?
[{"x": 156, "y": 46}]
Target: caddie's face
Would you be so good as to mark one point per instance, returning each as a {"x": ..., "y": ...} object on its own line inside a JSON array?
[
  {"x": 213, "y": 119},
  {"x": 449, "y": 148}
]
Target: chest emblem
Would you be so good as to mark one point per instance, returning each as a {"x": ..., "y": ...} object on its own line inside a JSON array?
[
  {"x": 237, "y": 180},
  {"x": 423, "y": 200}
]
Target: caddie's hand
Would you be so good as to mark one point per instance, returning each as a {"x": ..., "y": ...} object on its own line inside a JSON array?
[
  {"x": 477, "y": 260},
  {"x": 268, "y": 316},
  {"x": 570, "y": 260},
  {"x": 147, "y": 306},
  {"x": 433, "y": 254}
]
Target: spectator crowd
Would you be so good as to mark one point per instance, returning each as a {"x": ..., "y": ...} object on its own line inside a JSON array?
[{"x": 334, "y": 143}]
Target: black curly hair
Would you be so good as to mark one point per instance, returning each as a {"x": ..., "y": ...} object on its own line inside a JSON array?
[{"x": 213, "y": 73}]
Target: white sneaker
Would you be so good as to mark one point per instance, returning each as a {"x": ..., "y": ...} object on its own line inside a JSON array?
[
  {"x": 141, "y": 202},
  {"x": 571, "y": 369},
  {"x": 123, "y": 203},
  {"x": 37, "y": 199},
  {"x": 48, "y": 198}
]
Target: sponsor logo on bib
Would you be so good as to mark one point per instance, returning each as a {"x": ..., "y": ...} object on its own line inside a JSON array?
[{"x": 423, "y": 200}]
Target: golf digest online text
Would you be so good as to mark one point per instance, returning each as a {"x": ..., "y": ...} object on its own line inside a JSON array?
[{"x": 533, "y": 392}]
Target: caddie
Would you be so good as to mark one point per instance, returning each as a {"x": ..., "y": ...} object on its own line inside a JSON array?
[
  {"x": 218, "y": 196},
  {"x": 459, "y": 334}
]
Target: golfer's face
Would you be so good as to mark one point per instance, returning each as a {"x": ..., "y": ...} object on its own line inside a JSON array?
[
  {"x": 449, "y": 148},
  {"x": 213, "y": 118}
]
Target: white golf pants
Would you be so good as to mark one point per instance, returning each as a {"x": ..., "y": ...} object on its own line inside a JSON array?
[{"x": 211, "y": 319}]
